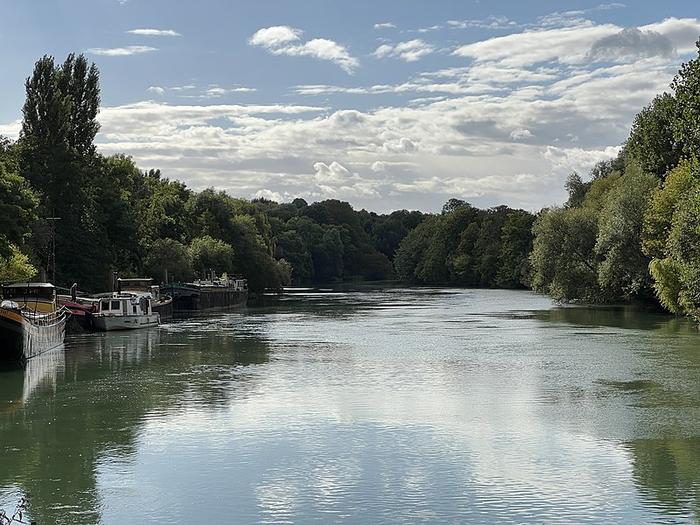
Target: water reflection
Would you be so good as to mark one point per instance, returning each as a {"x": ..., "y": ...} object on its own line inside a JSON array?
[
  {"x": 68, "y": 412},
  {"x": 628, "y": 317},
  {"x": 667, "y": 473},
  {"x": 375, "y": 406}
]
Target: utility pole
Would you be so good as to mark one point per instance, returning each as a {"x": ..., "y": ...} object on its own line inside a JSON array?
[{"x": 52, "y": 259}]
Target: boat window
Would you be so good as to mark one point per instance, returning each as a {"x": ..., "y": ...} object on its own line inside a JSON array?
[
  {"x": 115, "y": 305},
  {"x": 104, "y": 305},
  {"x": 18, "y": 292},
  {"x": 134, "y": 309}
]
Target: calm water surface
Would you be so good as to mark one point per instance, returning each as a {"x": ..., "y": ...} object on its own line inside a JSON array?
[{"x": 372, "y": 406}]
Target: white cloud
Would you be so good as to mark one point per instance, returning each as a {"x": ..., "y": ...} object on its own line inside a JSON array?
[
  {"x": 631, "y": 43},
  {"x": 385, "y": 25},
  {"x": 211, "y": 91},
  {"x": 334, "y": 179},
  {"x": 571, "y": 45},
  {"x": 270, "y": 195},
  {"x": 215, "y": 91},
  {"x": 577, "y": 159},
  {"x": 520, "y": 133},
  {"x": 121, "y": 51},
  {"x": 11, "y": 130},
  {"x": 683, "y": 32},
  {"x": 492, "y": 22},
  {"x": 429, "y": 29},
  {"x": 508, "y": 125},
  {"x": 409, "y": 51},
  {"x": 275, "y": 36},
  {"x": 154, "y": 32},
  {"x": 285, "y": 40},
  {"x": 567, "y": 45}
]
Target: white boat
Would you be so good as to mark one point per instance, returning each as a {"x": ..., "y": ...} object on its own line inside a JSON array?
[{"x": 125, "y": 311}]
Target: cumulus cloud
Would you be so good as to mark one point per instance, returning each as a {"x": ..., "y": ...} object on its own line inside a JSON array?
[
  {"x": 270, "y": 195},
  {"x": 154, "y": 32},
  {"x": 491, "y": 22},
  {"x": 682, "y": 32},
  {"x": 631, "y": 43},
  {"x": 121, "y": 51},
  {"x": 190, "y": 91},
  {"x": 409, "y": 51},
  {"x": 216, "y": 91},
  {"x": 333, "y": 173},
  {"x": 519, "y": 134},
  {"x": 334, "y": 180},
  {"x": 567, "y": 45},
  {"x": 510, "y": 123},
  {"x": 384, "y": 25},
  {"x": 276, "y": 36},
  {"x": 572, "y": 45},
  {"x": 285, "y": 40},
  {"x": 11, "y": 130}
]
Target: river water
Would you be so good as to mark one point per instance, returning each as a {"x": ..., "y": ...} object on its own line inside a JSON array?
[{"x": 368, "y": 406}]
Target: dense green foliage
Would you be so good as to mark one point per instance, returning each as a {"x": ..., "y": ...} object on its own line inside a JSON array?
[
  {"x": 633, "y": 231},
  {"x": 17, "y": 205},
  {"x": 469, "y": 247},
  {"x": 102, "y": 214},
  {"x": 16, "y": 266},
  {"x": 629, "y": 232}
]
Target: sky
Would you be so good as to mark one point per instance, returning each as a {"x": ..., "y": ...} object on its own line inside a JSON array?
[{"x": 387, "y": 105}]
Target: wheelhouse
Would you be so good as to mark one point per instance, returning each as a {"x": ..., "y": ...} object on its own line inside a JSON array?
[
  {"x": 39, "y": 297},
  {"x": 122, "y": 304}
]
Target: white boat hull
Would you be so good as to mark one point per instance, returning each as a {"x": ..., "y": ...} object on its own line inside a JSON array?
[{"x": 107, "y": 323}]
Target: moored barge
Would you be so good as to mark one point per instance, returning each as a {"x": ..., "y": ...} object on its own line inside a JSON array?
[
  {"x": 217, "y": 294},
  {"x": 31, "y": 321}
]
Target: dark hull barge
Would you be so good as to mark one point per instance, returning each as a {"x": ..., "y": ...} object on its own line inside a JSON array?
[
  {"x": 204, "y": 296},
  {"x": 31, "y": 322}
]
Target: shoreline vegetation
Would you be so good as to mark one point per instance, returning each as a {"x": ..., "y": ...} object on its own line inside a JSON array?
[{"x": 629, "y": 232}]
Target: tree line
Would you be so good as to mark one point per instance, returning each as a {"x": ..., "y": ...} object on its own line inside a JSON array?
[
  {"x": 632, "y": 231},
  {"x": 101, "y": 214},
  {"x": 629, "y": 232}
]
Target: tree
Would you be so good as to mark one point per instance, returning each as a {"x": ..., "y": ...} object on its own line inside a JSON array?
[
  {"x": 624, "y": 269},
  {"x": 658, "y": 218},
  {"x": 408, "y": 261},
  {"x": 57, "y": 158},
  {"x": 168, "y": 258},
  {"x": 15, "y": 266},
  {"x": 516, "y": 245},
  {"x": 17, "y": 210},
  {"x": 577, "y": 190},
  {"x": 686, "y": 86},
  {"x": 672, "y": 239},
  {"x": 208, "y": 254},
  {"x": 564, "y": 264},
  {"x": 651, "y": 143},
  {"x": 290, "y": 246}
]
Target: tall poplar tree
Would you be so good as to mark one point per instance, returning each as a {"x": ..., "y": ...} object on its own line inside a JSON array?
[{"x": 58, "y": 156}]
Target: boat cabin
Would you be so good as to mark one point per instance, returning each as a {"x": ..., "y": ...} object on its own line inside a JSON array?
[
  {"x": 139, "y": 285},
  {"x": 125, "y": 304},
  {"x": 37, "y": 297}
]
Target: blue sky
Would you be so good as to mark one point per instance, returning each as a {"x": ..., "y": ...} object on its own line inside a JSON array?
[{"x": 384, "y": 104}]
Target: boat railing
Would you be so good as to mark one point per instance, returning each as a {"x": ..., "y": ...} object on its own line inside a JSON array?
[{"x": 47, "y": 319}]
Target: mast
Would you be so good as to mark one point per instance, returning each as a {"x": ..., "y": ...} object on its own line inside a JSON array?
[{"x": 52, "y": 257}]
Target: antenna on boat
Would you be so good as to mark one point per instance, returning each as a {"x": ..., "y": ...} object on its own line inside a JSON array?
[{"x": 52, "y": 261}]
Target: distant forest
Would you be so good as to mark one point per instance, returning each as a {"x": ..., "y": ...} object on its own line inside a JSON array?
[{"x": 630, "y": 231}]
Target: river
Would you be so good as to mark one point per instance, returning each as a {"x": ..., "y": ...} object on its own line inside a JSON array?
[{"x": 377, "y": 405}]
